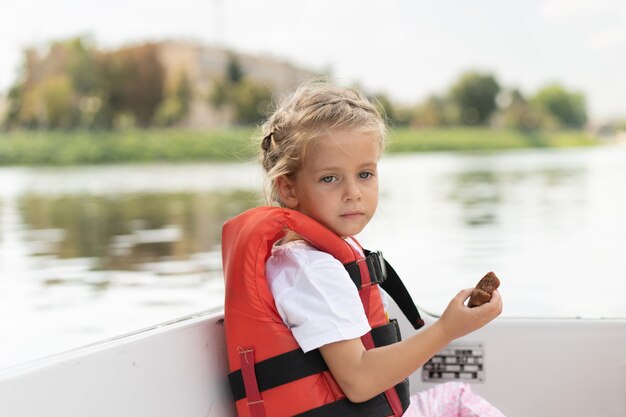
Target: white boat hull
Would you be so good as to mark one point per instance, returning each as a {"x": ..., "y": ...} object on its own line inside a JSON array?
[
  {"x": 173, "y": 370},
  {"x": 532, "y": 367}
]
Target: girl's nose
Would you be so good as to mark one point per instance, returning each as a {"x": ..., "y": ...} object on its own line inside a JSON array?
[{"x": 352, "y": 191}]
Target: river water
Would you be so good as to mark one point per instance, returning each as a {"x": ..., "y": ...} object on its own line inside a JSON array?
[{"x": 88, "y": 253}]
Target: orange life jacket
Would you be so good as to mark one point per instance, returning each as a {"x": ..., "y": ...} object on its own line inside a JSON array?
[{"x": 269, "y": 374}]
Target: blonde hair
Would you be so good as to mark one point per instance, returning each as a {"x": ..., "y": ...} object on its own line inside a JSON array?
[{"x": 310, "y": 113}]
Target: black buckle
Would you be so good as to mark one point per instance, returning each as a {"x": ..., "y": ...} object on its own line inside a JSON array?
[{"x": 376, "y": 266}]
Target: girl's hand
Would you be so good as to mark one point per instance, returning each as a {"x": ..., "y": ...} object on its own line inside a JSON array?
[{"x": 458, "y": 319}]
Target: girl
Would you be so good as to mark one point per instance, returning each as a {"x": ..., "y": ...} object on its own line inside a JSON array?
[{"x": 306, "y": 324}]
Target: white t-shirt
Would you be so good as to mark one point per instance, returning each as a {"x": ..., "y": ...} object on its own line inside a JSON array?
[{"x": 314, "y": 295}]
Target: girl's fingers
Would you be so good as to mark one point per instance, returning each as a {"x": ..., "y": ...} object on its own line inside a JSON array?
[
  {"x": 497, "y": 300},
  {"x": 463, "y": 295},
  {"x": 494, "y": 306}
]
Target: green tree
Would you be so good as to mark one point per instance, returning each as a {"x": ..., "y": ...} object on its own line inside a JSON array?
[
  {"x": 567, "y": 107},
  {"x": 81, "y": 65},
  {"x": 234, "y": 72},
  {"x": 176, "y": 104},
  {"x": 403, "y": 115},
  {"x": 14, "y": 101},
  {"x": 519, "y": 113},
  {"x": 388, "y": 109},
  {"x": 83, "y": 68},
  {"x": 134, "y": 83},
  {"x": 54, "y": 88},
  {"x": 432, "y": 113},
  {"x": 72, "y": 84},
  {"x": 184, "y": 91},
  {"x": 474, "y": 94},
  {"x": 251, "y": 101},
  {"x": 58, "y": 99}
]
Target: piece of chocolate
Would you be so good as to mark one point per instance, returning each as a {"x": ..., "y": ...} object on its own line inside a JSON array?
[{"x": 484, "y": 289}]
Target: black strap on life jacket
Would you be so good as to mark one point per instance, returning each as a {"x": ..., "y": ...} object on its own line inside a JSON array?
[
  {"x": 296, "y": 364},
  {"x": 383, "y": 274}
]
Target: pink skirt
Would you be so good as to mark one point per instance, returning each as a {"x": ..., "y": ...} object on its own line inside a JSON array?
[{"x": 452, "y": 399}]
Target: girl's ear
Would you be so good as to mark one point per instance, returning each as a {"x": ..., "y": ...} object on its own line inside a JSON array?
[{"x": 287, "y": 191}]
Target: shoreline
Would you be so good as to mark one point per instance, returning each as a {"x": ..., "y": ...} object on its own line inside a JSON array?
[{"x": 135, "y": 146}]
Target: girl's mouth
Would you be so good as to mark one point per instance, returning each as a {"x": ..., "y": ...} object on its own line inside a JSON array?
[{"x": 351, "y": 215}]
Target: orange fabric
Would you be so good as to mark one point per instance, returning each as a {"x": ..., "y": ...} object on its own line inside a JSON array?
[{"x": 250, "y": 314}]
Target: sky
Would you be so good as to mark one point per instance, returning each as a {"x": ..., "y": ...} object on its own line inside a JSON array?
[{"x": 406, "y": 49}]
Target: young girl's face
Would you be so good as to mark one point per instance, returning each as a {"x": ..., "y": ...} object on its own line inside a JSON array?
[{"x": 338, "y": 182}]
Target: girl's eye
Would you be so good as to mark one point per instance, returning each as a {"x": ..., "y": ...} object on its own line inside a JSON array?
[
  {"x": 365, "y": 175},
  {"x": 328, "y": 179}
]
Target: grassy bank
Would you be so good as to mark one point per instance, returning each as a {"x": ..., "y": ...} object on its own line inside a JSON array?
[
  {"x": 82, "y": 147},
  {"x": 483, "y": 139},
  {"x": 69, "y": 148}
]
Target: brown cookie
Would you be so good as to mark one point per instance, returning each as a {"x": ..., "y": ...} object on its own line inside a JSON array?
[{"x": 484, "y": 289}]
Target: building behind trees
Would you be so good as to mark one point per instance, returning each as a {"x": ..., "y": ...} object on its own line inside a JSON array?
[{"x": 72, "y": 84}]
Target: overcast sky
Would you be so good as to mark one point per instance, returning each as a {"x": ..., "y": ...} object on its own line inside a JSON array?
[{"x": 407, "y": 49}]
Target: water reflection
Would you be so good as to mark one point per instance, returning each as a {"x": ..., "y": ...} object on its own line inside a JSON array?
[
  {"x": 481, "y": 193},
  {"x": 166, "y": 234}
]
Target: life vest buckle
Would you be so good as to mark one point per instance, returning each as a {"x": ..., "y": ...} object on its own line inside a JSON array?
[{"x": 376, "y": 267}]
